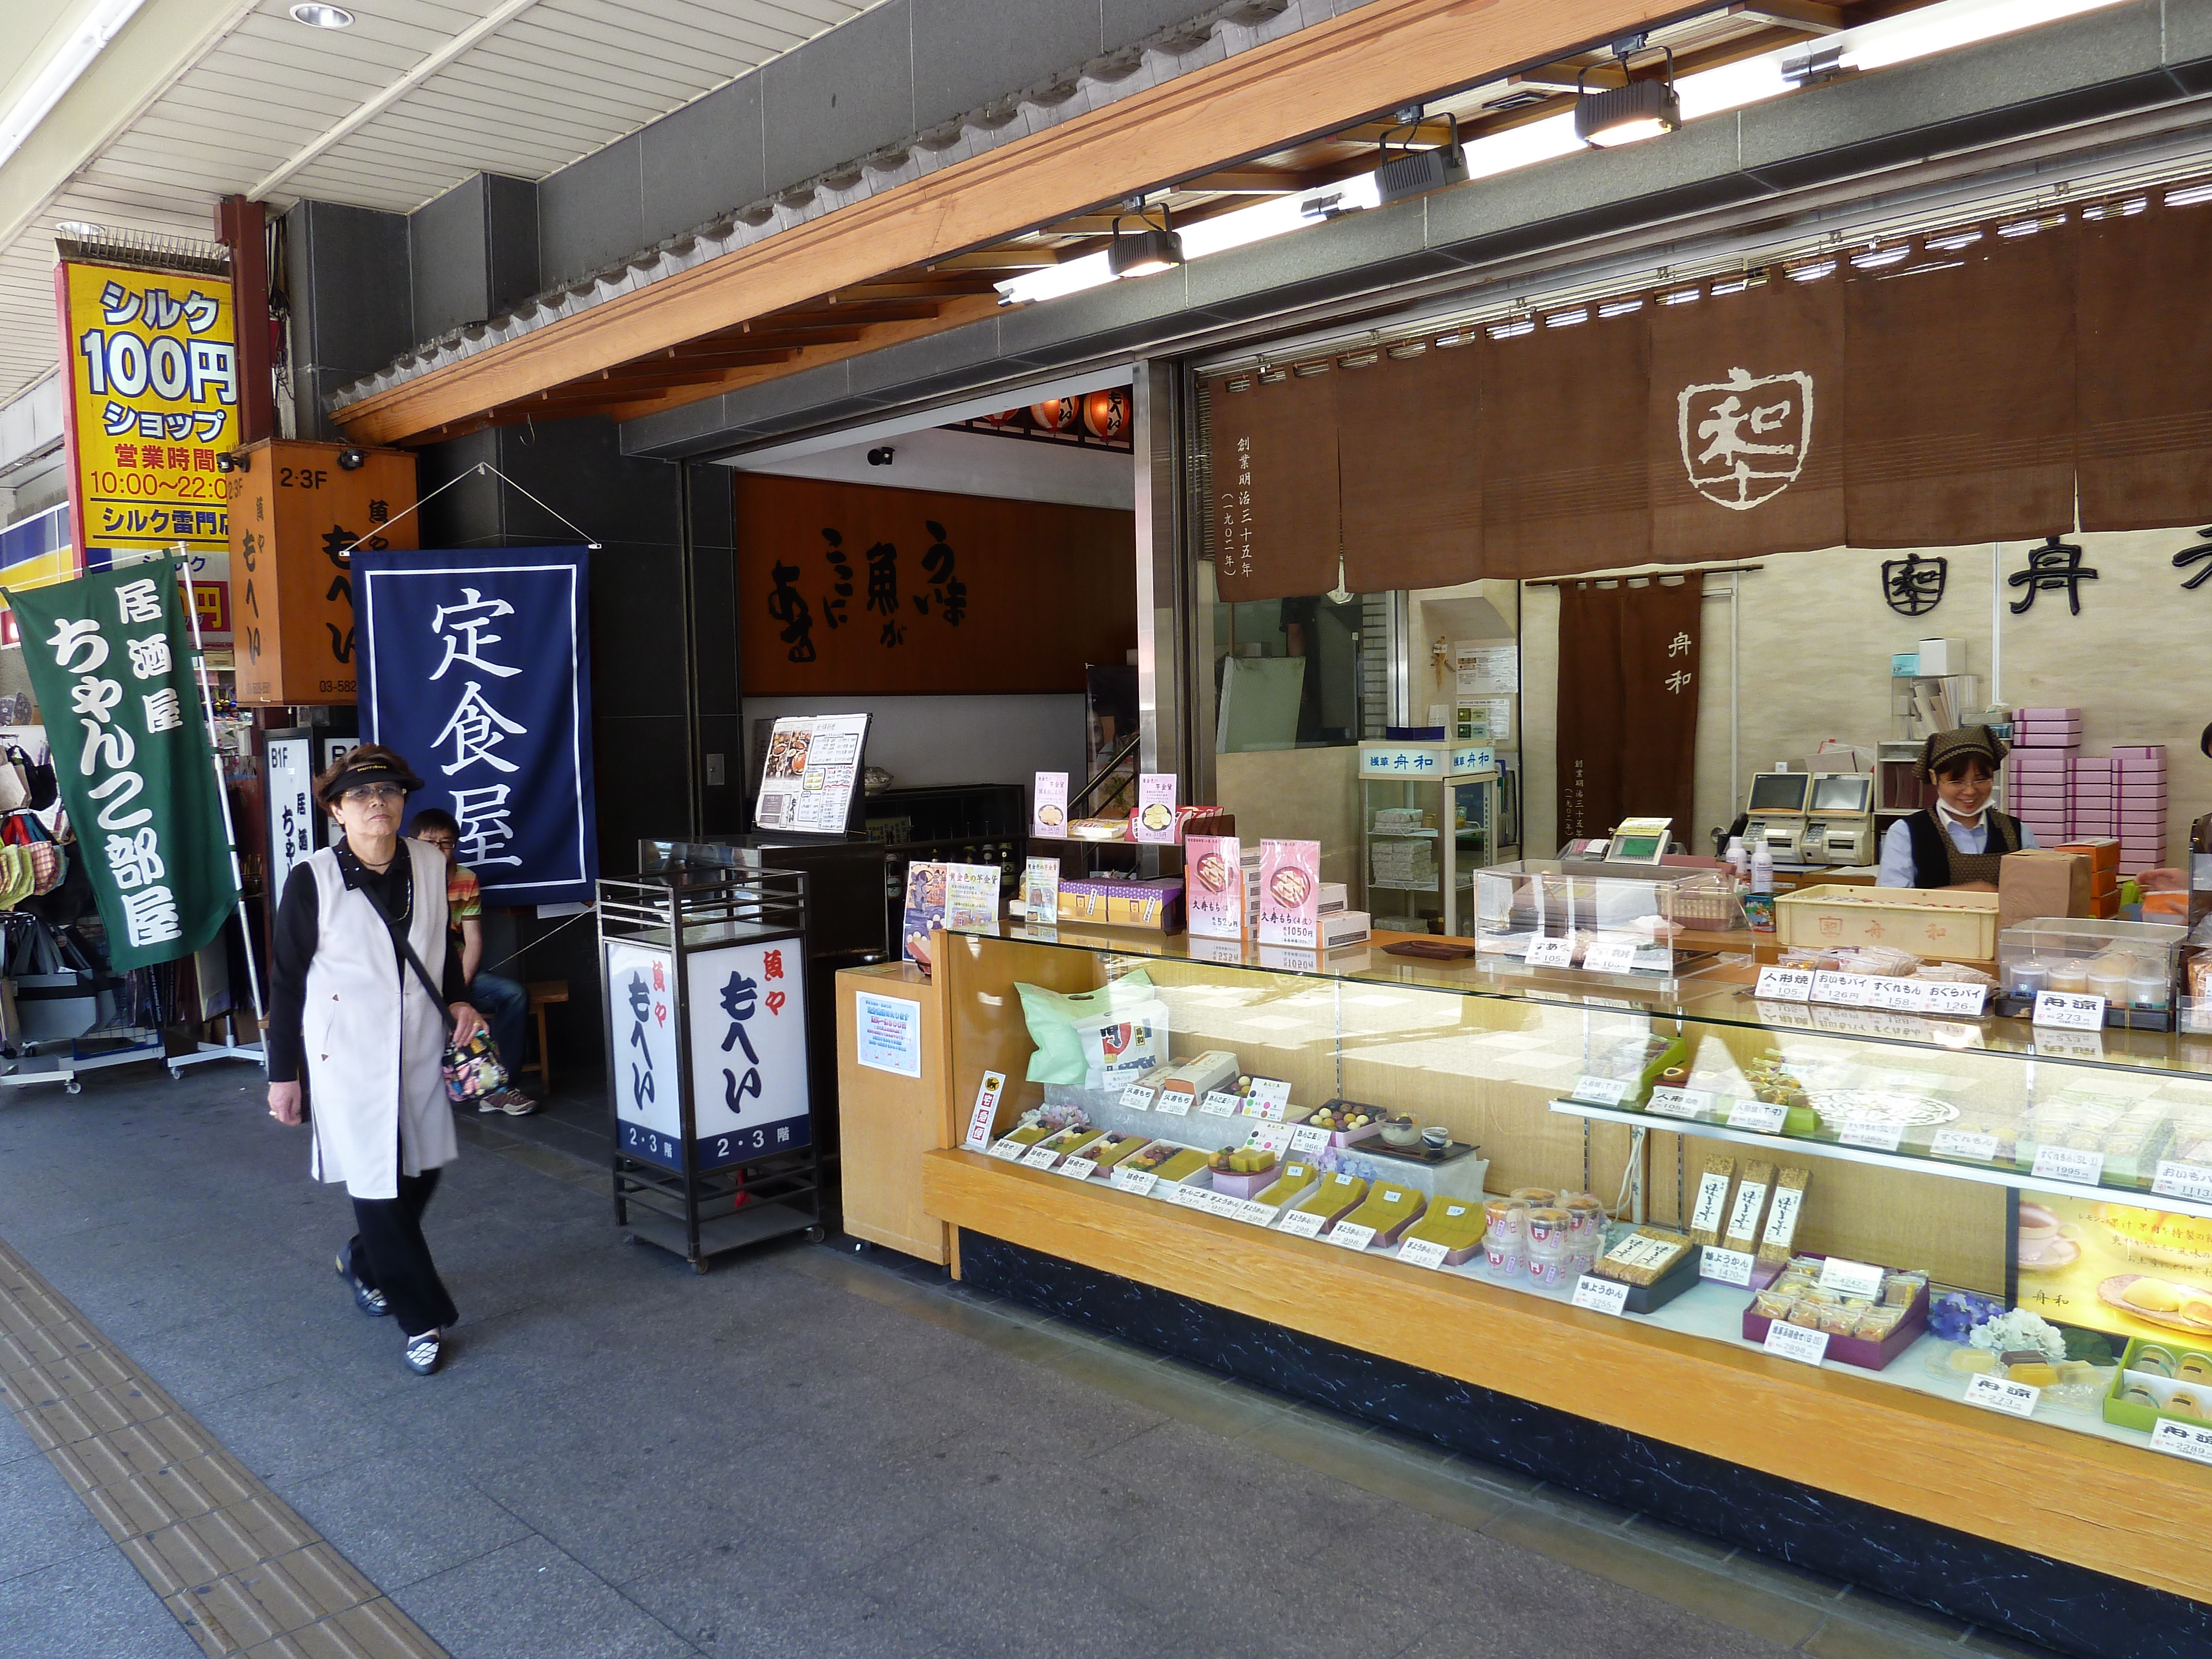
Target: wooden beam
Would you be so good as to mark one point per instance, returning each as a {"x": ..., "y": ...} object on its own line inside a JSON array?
[
  {"x": 1000, "y": 258},
  {"x": 1252, "y": 181},
  {"x": 1806, "y": 16},
  {"x": 1304, "y": 85}
]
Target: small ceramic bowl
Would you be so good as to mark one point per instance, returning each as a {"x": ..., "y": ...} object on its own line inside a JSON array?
[
  {"x": 1435, "y": 1138},
  {"x": 1405, "y": 1133}
]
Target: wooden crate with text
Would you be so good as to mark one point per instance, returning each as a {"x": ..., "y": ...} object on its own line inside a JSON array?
[{"x": 294, "y": 512}]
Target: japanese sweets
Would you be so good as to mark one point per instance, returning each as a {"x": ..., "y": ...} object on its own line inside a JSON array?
[
  {"x": 1073, "y": 1138},
  {"x": 1782, "y": 1220},
  {"x": 1186, "y": 1162},
  {"x": 1196, "y": 1078},
  {"x": 1456, "y": 1225},
  {"x": 1743, "y": 1233},
  {"x": 1337, "y": 1197},
  {"x": 1241, "y": 1171},
  {"x": 1110, "y": 1149},
  {"x": 1390, "y": 1210},
  {"x": 1342, "y": 1116},
  {"x": 1711, "y": 1206},
  {"x": 1155, "y": 1157},
  {"x": 1297, "y": 1177},
  {"x": 1030, "y": 1133},
  {"x": 1642, "y": 1256}
]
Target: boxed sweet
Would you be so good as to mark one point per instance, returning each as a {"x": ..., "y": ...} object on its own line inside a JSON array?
[
  {"x": 1124, "y": 901},
  {"x": 1296, "y": 1177},
  {"x": 1942, "y": 923},
  {"x": 1112, "y": 1148},
  {"x": 1337, "y": 1197},
  {"x": 1167, "y": 1160},
  {"x": 1341, "y": 928},
  {"x": 2032, "y": 884},
  {"x": 1867, "y": 1331},
  {"x": 1389, "y": 1210},
  {"x": 1455, "y": 1224},
  {"x": 1347, "y": 1121},
  {"x": 2160, "y": 1379},
  {"x": 1071, "y": 1141},
  {"x": 1655, "y": 1263},
  {"x": 1193, "y": 1080},
  {"x": 1243, "y": 1171}
]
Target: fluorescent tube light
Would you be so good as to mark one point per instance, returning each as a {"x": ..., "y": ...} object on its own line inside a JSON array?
[{"x": 61, "y": 72}]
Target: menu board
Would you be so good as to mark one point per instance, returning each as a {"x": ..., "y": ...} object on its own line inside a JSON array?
[{"x": 807, "y": 779}]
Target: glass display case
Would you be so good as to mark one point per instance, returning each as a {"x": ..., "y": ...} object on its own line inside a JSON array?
[
  {"x": 1639, "y": 921},
  {"x": 1428, "y": 811},
  {"x": 1945, "y": 1205}
]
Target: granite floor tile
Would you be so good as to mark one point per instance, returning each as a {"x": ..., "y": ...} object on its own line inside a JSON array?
[
  {"x": 404, "y": 1518},
  {"x": 42, "y": 1521},
  {"x": 93, "y": 1606},
  {"x": 530, "y": 1599}
]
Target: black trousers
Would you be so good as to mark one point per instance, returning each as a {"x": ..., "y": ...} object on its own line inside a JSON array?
[{"x": 390, "y": 1255}]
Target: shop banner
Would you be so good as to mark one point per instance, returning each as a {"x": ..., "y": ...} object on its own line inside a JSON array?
[
  {"x": 1745, "y": 440},
  {"x": 152, "y": 400},
  {"x": 1411, "y": 456},
  {"x": 1277, "y": 529},
  {"x": 747, "y": 1022},
  {"x": 1564, "y": 416},
  {"x": 1628, "y": 704},
  {"x": 110, "y": 660},
  {"x": 1959, "y": 404},
  {"x": 476, "y": 667}
]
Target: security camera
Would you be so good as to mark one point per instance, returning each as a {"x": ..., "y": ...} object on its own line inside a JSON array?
[
  {"x": 235, "y": 460},
  {"x": 351, "y": 460},
  {"x": 880, "y": 457}
]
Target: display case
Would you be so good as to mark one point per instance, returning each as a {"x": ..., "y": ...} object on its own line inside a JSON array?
[
  {"x": 1427, "y": 813},
  {"x": 2130, "y": 966},
  {"x": 1891, "y": 1256},
  {"x": 1638, "y": 921}
]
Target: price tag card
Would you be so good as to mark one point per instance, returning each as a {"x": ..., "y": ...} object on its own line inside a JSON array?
[
  {"x": 1964, "y": 1143},
  {"x": 1960, "y": 1000},
  {"x": 1729, "y": 1267},
  {"x": 1139, "y": 1181},
  {"x": 2070, "y": 1045},
  {"x": 2183, "y": 1181},
  {"x": 1173, "y": 1102},
  {"x": 1137, "y": 1098},
  {"x": 1305, "y": 1139},
  {"x": 1607, "y": 1296},
  {"x": 1601, "y": 1091},
  {"x": 2001, "y": 1394},
  {"x": 1679, "y": 1103},
  {"x": 1254, "y": 1213},
  {"x": 1760, "y": 1116},
  {"x": 1893, "y": 993},
  {"x": 1865, "y": 1132},
  {"x": 1275, "y": 1137},
  {"x": 1847, "y": 1278},
  {"x": 985, "y": 1109},
  {"x": 1010, "y": 1149},
  {"x": 1219, "y": 1103},
  {"x": 1190, "y": 1197},
  {"x": 1226, "y": 1205},
  {"x": 1352, "y": 1235},
  {"x": 1796, "y": 1342},
  {"x": 2069, "y": 1164},
  {"x": 1784, "y": 985},
  {"x": 2065, "y": 1011},
  {"x": 1845, "y": 990},
  {"x": 1422, "y": 1252},
  {"x": 2183, "y": 1440},
  {"x": 1270, "y": 1098},
  {"x": 1304, "y": 1222},
  {"x": 1551, "y": 952},
  {"x": 1078, "y": 1169},
  {"x": 1041, "y": 1157},
  {"x": 1610, "y": 957}
]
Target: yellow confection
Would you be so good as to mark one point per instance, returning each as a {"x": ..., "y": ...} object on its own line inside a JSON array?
[
  {"x": 2181, "y": 1405},
  {"x": 1189, "y": 1161},
  {"x": 2153, "y": 1296},
  {"x": 1388, "y": 1208},
  {"x": 1336, "y": 1196},
  {"x": 1295, "y": 1178},
  {"x": 2035, "y": 1373},
  {"x": 1973, "y": 1360},
  {"x": 1455, "y": 1224}
]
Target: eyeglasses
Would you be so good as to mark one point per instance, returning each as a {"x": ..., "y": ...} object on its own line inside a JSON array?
[
  {"x": 443, "y": 844},
  {"x": 362, "y": 794}
]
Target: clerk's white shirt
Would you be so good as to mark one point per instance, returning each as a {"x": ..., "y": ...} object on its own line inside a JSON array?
[{"x": 1898, "y": 869}]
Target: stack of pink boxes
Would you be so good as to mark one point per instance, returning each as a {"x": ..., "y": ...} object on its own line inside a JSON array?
[
  {"x": 2045, "y": 742},
  {"x": 2139, "y": 804},
  {"x": 2089, "y": 798}
]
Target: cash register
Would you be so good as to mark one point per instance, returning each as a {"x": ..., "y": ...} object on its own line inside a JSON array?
[
  {"x": 1840, "y": 819},
  {"x": 1775, "y": 814}
]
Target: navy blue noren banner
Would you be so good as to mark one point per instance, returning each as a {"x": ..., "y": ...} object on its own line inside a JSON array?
[{"x": 476, "y": 666}]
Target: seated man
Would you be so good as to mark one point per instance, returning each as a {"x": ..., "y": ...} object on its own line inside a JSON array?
[{"x": 500, "y": 1001}]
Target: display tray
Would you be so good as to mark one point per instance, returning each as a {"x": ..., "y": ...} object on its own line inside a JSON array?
[
  {"x": 1425, "y": 1156},
  {"x": 2117, "y": 1018},
  {"x": 1428, "y": 950},
  {"x": 2127, "y": 1414},
  {"x": 1855, "y": 1350},
  {"x": 1650, "y": 1298}
]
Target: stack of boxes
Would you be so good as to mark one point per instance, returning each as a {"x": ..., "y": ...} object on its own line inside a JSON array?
[
  {"x": 2139, "y": 804},
  {"x": 2045, "y": 742},
  {"x": 2089, "y": 797},
  {"x": 2103, "y": 855}
]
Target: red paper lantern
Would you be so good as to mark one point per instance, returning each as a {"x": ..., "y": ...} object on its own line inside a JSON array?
[
  {"x": 1059, "y": 415},
  {"x": 1004, "y": 417},
  {"x": 1106, "y": 414}
]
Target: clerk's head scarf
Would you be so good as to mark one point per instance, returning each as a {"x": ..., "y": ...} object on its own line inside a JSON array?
[{"x": 1945, "y": 747}]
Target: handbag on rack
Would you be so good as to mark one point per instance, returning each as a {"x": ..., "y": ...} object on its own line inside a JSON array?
[{"x": 471, "y": 1069}]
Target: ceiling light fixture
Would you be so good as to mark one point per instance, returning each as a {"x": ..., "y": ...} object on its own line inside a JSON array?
[
  {"x": 61, "y": 72},
  {"x": 1145, "y": 252},
  {"x": 1417, "y": 172},
  {"x": 1633, "y": 111},
  {"x": 323, "y": 17}
]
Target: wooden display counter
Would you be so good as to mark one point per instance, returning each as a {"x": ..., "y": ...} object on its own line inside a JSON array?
[
  {"x": 2104, "y": 1506},
  {"x": 886, "y": 1121}
]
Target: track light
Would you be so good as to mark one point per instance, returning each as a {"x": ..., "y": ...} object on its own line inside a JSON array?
[
  {"x": 1632, "y": 111},
  {"x": 1145, "y": 252},
  {"x": 882, "y": 456},
  {"x": 1418, "y": 171},
  {"x": 351, "y": 459},
  {"x": 235, "y": 460}
]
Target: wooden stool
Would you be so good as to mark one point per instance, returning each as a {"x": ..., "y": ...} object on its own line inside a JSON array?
[{"x": 543, "y": 991}]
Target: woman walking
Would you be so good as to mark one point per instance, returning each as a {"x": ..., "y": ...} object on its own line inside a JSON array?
[{"x": 360, "y": 940}]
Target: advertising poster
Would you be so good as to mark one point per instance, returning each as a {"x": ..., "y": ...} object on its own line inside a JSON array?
[
  {"x": 1155, "y": 808},
  {"x": 1040, "y": 892},
  {"x": 2114, "y": 1267},
  {"x": 151, "y": 400},
  {"x": 1049, "y": 811},
  {"x": 1290, "y": 893},
  {"x": 925, "y": 910},
  {"x": 971, "y": 897},
  {"x": 887, "y": 1033},
  {"x": 1213, "y": 897}
]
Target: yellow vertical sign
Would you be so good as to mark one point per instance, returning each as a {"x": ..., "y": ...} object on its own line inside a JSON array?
[{"x": 152, "y": 361}]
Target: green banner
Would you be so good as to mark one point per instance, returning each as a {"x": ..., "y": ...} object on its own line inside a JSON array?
[{"x": 110, "y": 660}]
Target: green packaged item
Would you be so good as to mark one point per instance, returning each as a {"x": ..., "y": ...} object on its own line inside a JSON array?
[{"x": 1094, "y": 1039}]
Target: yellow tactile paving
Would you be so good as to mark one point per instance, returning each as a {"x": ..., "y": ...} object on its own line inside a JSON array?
[{"x": 230, "y": 1560}]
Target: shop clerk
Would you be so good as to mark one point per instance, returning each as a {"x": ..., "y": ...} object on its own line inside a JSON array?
[{"x": 1957, "y": 842}]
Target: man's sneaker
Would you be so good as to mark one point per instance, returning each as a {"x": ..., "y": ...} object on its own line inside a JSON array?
[
  {"x": 513, "y": 1101},
  {"x": 369, "y": 1301},
  {"x": 425, "y": 1353}
]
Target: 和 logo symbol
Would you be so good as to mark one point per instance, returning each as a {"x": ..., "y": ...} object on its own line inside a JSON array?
[{"x": 1744, "y": 440}]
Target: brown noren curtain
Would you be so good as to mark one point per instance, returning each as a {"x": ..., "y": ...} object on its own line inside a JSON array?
[
  {"x": 1275, "y": 512},
  {"x": 1627, "y": 699},
  {"x": 1412, "y": 469},
  {"x": 2145, "y": 380}
]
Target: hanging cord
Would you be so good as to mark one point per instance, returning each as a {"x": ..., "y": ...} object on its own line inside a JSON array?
[
  {"x": 494, "y": 967},
  {"x": 475, "y": 472}
]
